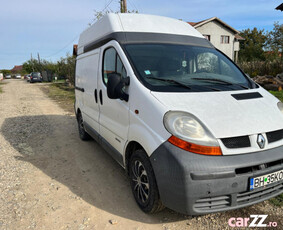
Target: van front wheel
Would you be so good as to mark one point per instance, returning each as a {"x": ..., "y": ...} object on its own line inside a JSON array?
[
  {"x": 143, "y": 183},
  {"x": 83, "y": 134}
]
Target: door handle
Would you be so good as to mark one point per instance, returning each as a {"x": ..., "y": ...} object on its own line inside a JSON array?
[
  {"x": 100, "y": 97},
  {"x": 95, "y": 95}
]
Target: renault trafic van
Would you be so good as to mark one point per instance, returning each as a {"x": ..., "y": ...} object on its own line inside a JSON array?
[{"x": 192, "y": 131}]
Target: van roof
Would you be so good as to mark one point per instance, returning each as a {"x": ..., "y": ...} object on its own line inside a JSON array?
[{"x": 130, "y": 22}]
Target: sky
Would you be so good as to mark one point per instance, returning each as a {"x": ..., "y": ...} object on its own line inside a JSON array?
[{"x": 51, "y": 27}]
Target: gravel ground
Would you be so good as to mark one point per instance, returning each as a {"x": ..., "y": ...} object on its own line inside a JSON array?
[{"x": 49, "y": 179}]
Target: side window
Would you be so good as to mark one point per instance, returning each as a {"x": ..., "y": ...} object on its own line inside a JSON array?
[
  {"x": 112, "y": 64},
  {"x": 109, "y": 60},
  {"x": 120, "y": 69}
]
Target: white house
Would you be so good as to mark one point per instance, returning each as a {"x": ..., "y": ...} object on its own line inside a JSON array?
[{"x": 221, "y": 35}]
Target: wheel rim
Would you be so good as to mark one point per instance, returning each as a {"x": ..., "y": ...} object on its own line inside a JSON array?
[{"x": 140, "y": 181}]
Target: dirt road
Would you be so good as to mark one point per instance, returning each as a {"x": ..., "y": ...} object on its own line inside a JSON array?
[{"x": 50, "y": 179}]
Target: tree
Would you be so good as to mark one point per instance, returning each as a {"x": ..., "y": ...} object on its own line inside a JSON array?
[
  {"x": 252, "y": 48},
  {"x": 31, "y": 65},
  {"x": 66, "y": 68},
  {"x": 275, "y": 41},
  {"x": 5, "y": 71}
]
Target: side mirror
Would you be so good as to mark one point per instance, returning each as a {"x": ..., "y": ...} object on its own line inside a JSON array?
[{"x": 115, "y": 86}]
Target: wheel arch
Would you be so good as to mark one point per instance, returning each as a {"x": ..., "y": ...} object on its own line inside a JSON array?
[{"x": 131, "y": 147}]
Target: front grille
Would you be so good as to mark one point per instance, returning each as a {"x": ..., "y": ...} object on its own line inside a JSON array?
[
  {"x": 254, "y": 195},
  {"x": 206, "y": 204},
  {"x": 225, "y": 202},
  {"x": 274, "y": 136},
  {"x": 254, "y": 168},
  {"x": 236, "y": 142}
]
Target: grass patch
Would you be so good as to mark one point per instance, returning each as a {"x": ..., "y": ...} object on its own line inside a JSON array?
[
  {"x": 62, "y": 93},
  {"x": 1, "y": 83},
  {"x": 59, "y": 81},
  {"x": 278, "y": 94},
  {"x": 277, "y": 201}
]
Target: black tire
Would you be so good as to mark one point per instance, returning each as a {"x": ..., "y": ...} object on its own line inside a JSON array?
[
  {"x": 83, "y": 134},
  {"x": 143, "y": 183}
]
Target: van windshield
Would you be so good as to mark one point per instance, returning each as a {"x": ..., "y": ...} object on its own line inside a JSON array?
[{"x": 181, "y": 68}]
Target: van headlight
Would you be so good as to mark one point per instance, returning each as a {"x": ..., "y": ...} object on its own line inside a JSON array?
[
  {"x": 190, "y": 134},
  {"x": 280, "y": 106}
]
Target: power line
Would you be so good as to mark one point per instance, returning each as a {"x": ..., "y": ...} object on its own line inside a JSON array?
[
  {"x": 63, "y": 47},
  {"x": 107, "y": 5},
  {"x": 133, "y": 5},
  {"x": 101, "y": 12}
]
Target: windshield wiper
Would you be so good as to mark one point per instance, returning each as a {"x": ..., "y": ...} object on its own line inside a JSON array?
[
  {"x": 171, "y": 81},
  {"x": 220, "y": 81}
]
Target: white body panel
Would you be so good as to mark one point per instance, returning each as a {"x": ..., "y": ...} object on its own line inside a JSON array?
[
  {"x": 134, "y": 23},
  {"x": 147, "y": 127},
  {"x": 86, "y": 77}
]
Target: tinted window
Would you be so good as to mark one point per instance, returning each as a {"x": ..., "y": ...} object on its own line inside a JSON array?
[{"x": 35, "y": 74}]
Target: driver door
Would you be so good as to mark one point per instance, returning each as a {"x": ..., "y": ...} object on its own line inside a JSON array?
[{"x": 114, "y": 113}]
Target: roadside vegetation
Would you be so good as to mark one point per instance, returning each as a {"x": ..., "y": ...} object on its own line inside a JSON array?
[
  {"x": 62, "y": 93},
  {"x": 278, "y": 94},
  {"x": 261, "y": 52},
  {"x": 277, "y": 201},
  {"x": 1, "y": 83}
]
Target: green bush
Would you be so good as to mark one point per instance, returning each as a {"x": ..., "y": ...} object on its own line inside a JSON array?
[{"x": 262, "y": 68}]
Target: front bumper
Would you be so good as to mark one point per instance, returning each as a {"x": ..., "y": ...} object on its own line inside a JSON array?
[{"x": 196, "y": 184}]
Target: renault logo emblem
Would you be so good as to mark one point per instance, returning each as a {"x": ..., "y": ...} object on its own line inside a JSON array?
[{"x": 260, "y": 141}]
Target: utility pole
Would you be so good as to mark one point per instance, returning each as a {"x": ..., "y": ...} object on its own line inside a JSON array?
[
  {"x": 123, "y": 6},
  {"x": 31, "y": 62},
  {"x": 38, "y": 57}
]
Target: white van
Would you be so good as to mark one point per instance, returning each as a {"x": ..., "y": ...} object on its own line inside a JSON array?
[{"x": 193, "y": 132}]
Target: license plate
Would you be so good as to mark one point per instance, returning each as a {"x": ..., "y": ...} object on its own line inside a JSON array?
[{"x": 266, "y": 179}]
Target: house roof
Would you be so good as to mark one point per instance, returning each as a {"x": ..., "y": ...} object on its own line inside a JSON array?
[
  {"x": 200, "y": 23},
  {"x": 280, "y": 7},
  {"x": 17, "y": 68},
  {"x": 238, "y": 37}
]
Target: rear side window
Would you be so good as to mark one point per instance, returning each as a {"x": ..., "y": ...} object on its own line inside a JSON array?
[{"x": 112, "y": 64}]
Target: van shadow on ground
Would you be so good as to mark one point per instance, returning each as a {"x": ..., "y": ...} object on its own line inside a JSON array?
[{"x": 51, "y": 144}]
